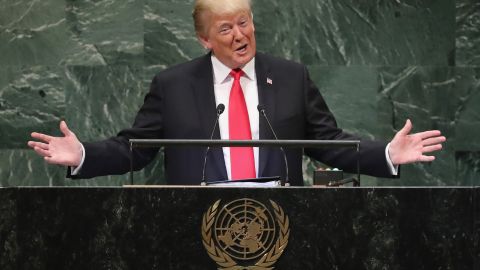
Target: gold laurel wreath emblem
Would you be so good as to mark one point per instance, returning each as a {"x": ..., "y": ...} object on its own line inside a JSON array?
[{"x": 225, "y": 262}]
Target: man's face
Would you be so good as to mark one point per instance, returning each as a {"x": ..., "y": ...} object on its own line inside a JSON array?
[{"x": 231, "y": 38}]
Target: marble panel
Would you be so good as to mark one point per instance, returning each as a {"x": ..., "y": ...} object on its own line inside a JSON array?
[
  {"x": 428, "y": 96},
  {"x": 467, "y": 126},
  {"x": 467, "y": 33},
  {"x": 169, "y": 33},
  {"x": 103, "y": 100},
  {"x": 375, "y": 102},
  {"x": 320, "y": 32},
  {"x": 358, "y": 32},
  {"x": 350, "y": 93},
  {"x": 105, "y": 32},
  {"x": 8, "y": 230},
  {"x": 24, "y": 168},
  {"x": 278, "y": 27},
  {"x": 476, "y": 227},
  {"x": 32, "y": 32},
  {"x": 468, "y": 167},
  {"x": 31, "y": 99},
  {"x": 467, "y": 113}
]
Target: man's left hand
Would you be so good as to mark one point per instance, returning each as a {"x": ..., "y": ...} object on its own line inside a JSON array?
[{"x": 408, "y": 148}]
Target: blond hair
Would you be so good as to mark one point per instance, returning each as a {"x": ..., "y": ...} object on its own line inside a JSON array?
[{"x": 218, "y": 7}]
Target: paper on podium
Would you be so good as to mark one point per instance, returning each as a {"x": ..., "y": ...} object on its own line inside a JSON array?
[
  {"x": 247, "y": 184},
  {"x": 256, "y": 182}
]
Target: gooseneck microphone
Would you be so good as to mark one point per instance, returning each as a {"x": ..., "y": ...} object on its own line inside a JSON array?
[
  {"x": 261, "y": 110},
  {"x": 220, "y": 109}
]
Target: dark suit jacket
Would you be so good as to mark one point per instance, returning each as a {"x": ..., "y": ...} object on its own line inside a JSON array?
[{"x": 181, "y": 105}]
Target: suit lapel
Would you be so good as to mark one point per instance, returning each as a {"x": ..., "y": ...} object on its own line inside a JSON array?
[
  {"x": 205, "y": 97},
  {"x": 266, "y": 97}
]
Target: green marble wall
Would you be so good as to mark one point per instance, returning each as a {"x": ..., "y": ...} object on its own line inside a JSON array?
[{"x": 376, "y": 63}]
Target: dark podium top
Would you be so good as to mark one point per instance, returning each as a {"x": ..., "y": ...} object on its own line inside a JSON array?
[{"x": 161, "y": 227}]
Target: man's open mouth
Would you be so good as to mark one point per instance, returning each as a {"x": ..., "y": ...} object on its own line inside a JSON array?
[{"x": 242, "y": 48}]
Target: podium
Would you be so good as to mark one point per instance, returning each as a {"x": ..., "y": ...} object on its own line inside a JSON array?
[{"x": 164, "y": 227}]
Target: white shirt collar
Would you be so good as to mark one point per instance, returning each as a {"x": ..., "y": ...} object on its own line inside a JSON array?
[{"x": 221, "y": 72}]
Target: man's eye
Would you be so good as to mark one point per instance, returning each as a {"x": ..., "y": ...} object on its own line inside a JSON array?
[{"x": 224, "y": 30}]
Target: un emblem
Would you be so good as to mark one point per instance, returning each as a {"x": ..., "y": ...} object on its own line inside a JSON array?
[{"x": 243, "y": 234}]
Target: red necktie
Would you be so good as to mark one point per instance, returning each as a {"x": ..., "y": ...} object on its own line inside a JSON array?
[{"x": 241, "y": 158}]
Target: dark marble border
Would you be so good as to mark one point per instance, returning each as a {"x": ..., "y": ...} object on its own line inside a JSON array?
[{"x": 159, "y": 228}]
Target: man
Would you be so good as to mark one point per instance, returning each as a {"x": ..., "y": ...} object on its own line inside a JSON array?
[{"x": 181, "y": 105}]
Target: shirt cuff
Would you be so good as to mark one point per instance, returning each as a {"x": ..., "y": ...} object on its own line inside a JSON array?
[
  {"x": 392, "y": 168},
  {"x": 76, "y": 170}
]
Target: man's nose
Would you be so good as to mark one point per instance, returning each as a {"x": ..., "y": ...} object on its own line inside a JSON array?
[{"x": 237, "y": 33}]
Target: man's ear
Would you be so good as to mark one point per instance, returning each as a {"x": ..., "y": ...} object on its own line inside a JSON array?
[{"x": 205, "y": 42}]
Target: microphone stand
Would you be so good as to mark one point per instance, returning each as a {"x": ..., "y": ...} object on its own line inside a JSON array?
[
  {"x": 261, "y": 109},
  {"x": 220, "y": 109}
]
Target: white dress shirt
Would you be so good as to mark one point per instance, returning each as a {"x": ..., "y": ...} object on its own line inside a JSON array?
[{"x": 222, "y": 81}]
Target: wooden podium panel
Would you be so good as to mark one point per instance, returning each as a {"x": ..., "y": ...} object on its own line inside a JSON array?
[{"x": 161, "y": 227}]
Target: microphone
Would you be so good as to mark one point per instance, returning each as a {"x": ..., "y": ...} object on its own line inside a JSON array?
[
  {"x": 261, "y": 110},
  {"x": 343, "y": 182},
  {"x": 220, "y": 109}
]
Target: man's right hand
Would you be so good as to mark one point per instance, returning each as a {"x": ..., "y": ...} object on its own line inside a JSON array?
[{"x": 66, "y": 150}]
